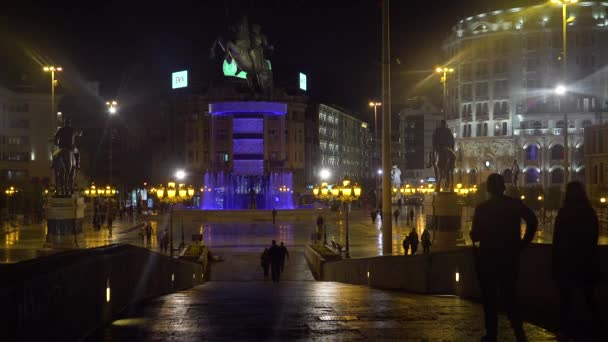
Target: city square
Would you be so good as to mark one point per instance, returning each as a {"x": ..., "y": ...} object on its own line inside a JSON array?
[{"x": 239, "y": 170}]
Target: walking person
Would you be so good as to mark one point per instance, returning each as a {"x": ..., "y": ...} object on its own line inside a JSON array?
[
  {"x": 497, "y": 229},
  {"x": 575, "y": 261},
  {"x": 148, "y": 233},
  {"x": 425, "y": 239},
  {"x": 164, "y": 241},
  {"x": 412, "y": 217},
  {"x": 284, "y": 255},
  {"x": 320, "y": 223},
  {"x": 372, "y": 215},
  {"x": 413, "y": 237},
  {"x": 406, "y": 245},
  {"x": 110, "y": 221},
  {"x": 274, "y": 216},
  {"x": 396, "y": 214},
  {"x": 265, "y": 262},
  {"x": 275, "y": 261}
]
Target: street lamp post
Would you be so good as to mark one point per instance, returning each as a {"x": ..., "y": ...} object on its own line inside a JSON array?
[
  {"x": 10, "y": 192},
  {"x": 375, "y": 152},
  {"x": 174, "y": 194},
  {"x": 112, "y": 110},
  {"x": 52, "y": 70},
  {"x": 565, "y": 21},
  {"x": 444, "y": 71},
  {"x": 346, "y": 193}
]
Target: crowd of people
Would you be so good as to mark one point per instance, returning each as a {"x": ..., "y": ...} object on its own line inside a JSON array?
[{"x": 273, "y": 260}]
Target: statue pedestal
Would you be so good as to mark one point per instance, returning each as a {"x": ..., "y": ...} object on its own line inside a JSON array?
[
  {"x": 65, "y": 217},
  {"x": 443, "y": 217}
]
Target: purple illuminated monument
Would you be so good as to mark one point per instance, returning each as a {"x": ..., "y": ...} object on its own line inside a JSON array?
[{"x": 249, "y": 152}]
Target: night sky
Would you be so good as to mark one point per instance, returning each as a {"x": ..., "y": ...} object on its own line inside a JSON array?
[{"x": 132, "y": 47}]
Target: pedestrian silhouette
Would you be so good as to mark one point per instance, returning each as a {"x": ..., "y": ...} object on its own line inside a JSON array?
[
  {"x": 265, "y": 262},
  {"x": 284, "y": 255},
  {"x": 406, "y": 245},
  {"x": 425, "y": 239},
  {"x": 396, "y": 214},
  {"x": 275, "y": 261},
  {"x": 412, "y": 215},
  {"x": 413, "y": 239},
  {"x": 274, "y": 216},
  {"x": 373, "y": 215},
  {"x": 497, "y": 228},
  {"x": 575, "y": 260}
]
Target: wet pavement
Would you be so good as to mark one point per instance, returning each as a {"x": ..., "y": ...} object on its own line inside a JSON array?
[
  {"x": 299, "y": 309},
  {"x": 365, "y": 235}
]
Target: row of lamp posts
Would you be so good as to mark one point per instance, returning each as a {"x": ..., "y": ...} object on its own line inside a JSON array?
[
  {"x": 346, "y": 192},
  {"x": 172, "y": 194}
]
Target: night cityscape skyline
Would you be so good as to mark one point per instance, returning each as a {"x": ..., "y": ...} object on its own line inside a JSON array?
[{"x": 278, "y": 170}]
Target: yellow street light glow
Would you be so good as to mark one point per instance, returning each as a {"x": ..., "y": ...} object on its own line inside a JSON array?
[
  {"x": 603, "y": 200},
  {"x": 160, "y": 192},
  {"x": 439, "y": 70},
  {"x": 315, "y": 190},
  {"x": 346, "y": 191},
  {"x": 357, "y": 190},
  {"x": 523, "y": 197},
  {"x": 335, "y": 191},
  {"x": 375, "y": 104},
  {"x": 190, "y": 191},
  {"x": 540, "y": 198}
]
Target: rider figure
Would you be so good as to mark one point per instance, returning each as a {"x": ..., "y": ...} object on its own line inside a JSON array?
[
  {"x": 442, "y": 138},
  {"x": 65, "y": 138}
]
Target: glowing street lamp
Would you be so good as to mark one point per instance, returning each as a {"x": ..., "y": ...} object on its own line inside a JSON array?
[
  {"x": 325, "y": 174},
  {"x": 444, "y": 71},
  {"x": 52, "y": 69},
  {"x": 173, "y": 194}
]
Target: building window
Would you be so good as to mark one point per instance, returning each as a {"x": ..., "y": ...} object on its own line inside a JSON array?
[
  {"x": 532, "y": 152},
  {"x": 478, "y": 132},
  {"x": 485, "y": 129},
  {"x": 531, "y": 176},
  {"x": 504, "y": 128},
  {"x": 481, "y": 90},
  {"x": 557, "y": 152}
]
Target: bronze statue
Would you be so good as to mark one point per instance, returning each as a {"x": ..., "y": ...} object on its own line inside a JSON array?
[
  {"x": 66, "y": 159},
  {"x": 444, "y": 157},
  {"x": 246, "y": 47}
]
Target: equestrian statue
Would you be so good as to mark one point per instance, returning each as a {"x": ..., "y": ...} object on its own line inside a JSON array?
[
  {"x": 66, "y": 159},
  {"x": 443, "y": 157},
  {"x": 245, "y": 47}
]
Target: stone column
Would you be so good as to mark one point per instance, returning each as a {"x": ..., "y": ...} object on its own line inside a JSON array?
[{"x": 65, "y": 217}]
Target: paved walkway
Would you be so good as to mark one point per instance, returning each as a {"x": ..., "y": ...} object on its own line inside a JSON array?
[{"x": 239, "y": 305}]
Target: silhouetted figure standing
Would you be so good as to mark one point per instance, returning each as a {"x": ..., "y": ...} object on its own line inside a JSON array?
[
  {"x": 284, "y": 255},
  {"x": 265, "y": 261},
  {"x": 425, "y": 239},
  {"x": 406, "y": 245},
  {"x": 413, "y": 237},
  {"x": 412, "y": 216},
  {"x": 497, "y": 228},
  {"x": 274, "y": 216},
  {"x": 373, "y": 215},
  {"x": 396, "y": 214},
  {"x": 148, "y": 233},
  {"x": 275, "y": 261},
  {"x": 320, "y": 223},
  {"x": 575, "y": 257}
]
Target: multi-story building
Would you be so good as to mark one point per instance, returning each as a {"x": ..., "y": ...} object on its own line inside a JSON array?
[
  {"x": 345, "y": 144},
  {"x": 502, "y": 105},
  {"x": 26, "y": 125},
  {"x": 596, "y": 160},
  {"x": 208, "y": 138},
  {"x": 417, "y": 122}
]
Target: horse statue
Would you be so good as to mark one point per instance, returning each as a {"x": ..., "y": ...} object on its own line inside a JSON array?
[
  {"x": 443, "y": 157},
  {"x": 443, "y": 165},
  {"x": 245, "y": 48},
  {"x": 65, "y": 159}
]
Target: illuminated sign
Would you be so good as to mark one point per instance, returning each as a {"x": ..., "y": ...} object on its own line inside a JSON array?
[
  {"x": 303, "y": 81},
  {"x": 179, "y": 79}
]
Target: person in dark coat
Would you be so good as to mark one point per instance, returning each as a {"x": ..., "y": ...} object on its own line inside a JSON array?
[
  {"x": 425, "y": 239},
  {"x": 275, "y": 261},
  {"x": 274, "y": 216},
  {"x": 413, "y": 237},
  {"x": 396, "y": 214},
  {"x": 373, "y": 215},
  {"x": 575, "y": 257},
  {"x": 406, "y": 245},
  {"x": 284, "y": 255},
  {"x": 497, "y": 229},
  {"x": 412, "y": 215},
  {"x": 265, "y": 261}
]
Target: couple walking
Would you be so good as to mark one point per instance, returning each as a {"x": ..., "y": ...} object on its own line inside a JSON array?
[{"x": 274, "y": 258}]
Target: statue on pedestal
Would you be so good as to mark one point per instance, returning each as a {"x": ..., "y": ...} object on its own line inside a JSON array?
[
  {"x": 395, "y": 177},
  {"x": 444, "y": 157},
  {"x": 66, "y": 159}
]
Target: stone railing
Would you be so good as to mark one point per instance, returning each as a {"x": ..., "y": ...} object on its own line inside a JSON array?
[
  {"x": 65, "y": 296},
  {"x": 454, "y": 273}
]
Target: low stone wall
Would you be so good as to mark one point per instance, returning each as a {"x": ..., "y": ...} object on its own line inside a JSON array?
[
  {"x": 453, "y": 272},
  {"x": 64, "y": 296},
  {"x": 197, "y": 216},
  {"x": 315, "y": 262}
]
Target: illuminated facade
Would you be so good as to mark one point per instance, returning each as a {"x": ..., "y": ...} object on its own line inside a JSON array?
[
  {"x": 345, "y": 144},
  {"x": 501, "y": 102},
  {"x": 596, "y": 160},
  {"x": 417, "y": 122},
  {"x": 26, "y": 125}
]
